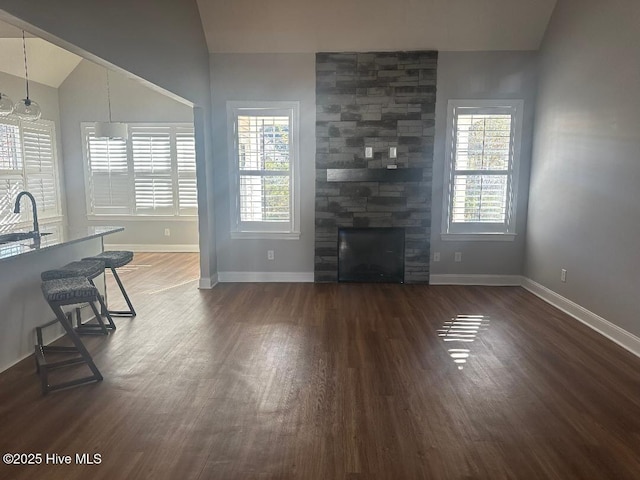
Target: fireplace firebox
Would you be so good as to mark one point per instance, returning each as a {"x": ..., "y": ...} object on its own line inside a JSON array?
[{"x": 371, "y": 255}]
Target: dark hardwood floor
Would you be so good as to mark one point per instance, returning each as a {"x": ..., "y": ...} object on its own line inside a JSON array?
[{"x": 305, "y": 381}]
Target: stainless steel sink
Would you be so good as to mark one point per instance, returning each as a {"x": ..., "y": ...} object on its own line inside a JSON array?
[{"x": 19, "y": 236}]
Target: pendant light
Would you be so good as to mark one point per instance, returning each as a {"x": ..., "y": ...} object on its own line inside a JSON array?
[
  {"x": 27, "y": 109},
  {"x": 6, "y": 105},
  {"x": 110, "y": 129}
]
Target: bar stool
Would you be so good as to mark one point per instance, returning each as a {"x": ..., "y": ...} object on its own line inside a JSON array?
[
  {"x": 88, "y": 269},
  {"x": 58, "y": 293},
  {"x": 115, "y": 259}
]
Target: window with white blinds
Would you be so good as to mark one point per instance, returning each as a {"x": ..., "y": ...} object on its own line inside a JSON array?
[
  {"x": 263, "y": 166},
  {"x": 28, "y": 161},
  {"x": 481, "y": 175},
  {"x": 152, "y": 173}
]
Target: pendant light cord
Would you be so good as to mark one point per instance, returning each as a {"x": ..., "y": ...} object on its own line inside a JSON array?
[
  {"x": 26, "y": 71},
  {"x": 109, "y": 95}
]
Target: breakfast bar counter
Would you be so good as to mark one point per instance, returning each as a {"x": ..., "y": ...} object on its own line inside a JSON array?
[
  {"x": 50, "y": 240},
  {"x": 22, "y": 305}
]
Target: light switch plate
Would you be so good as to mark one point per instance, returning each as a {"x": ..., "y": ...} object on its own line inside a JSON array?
[{"x": 368, "y": 152}]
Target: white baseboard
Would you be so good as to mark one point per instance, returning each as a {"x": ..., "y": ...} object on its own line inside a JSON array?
[
  {"x": 626, "y": 340},
  {"x": 289, "y": 277},
  {"x": 463, "y": 279},
  {"x": 154, "y": 248},
  {"x": 207, "y": 283}
]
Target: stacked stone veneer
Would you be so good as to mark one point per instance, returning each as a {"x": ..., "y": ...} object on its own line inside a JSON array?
[{"x": 377, "y": 100}]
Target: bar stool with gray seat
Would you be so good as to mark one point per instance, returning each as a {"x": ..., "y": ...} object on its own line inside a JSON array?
[
  {"x": 59, "y": 293},
  {"x": 114, "y": 259},
  {"x": 88, "y": 269}
]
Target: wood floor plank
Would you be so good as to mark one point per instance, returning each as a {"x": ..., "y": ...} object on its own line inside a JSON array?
[{"x": 332, "y": 381}]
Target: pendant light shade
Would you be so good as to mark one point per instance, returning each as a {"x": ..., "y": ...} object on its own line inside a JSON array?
[
  {"x": 6, "y": 105},
  {"x": 27, "y": 109},
  {"x": 111, "y": 129}
]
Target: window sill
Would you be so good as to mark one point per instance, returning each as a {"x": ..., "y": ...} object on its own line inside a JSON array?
[
  {"x": 142, "y": 218},
  {"x": 478, "y": 237},
  {"x": 265, "y": 235}
]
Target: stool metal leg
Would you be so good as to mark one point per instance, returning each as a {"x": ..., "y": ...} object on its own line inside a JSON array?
[
  {"x": 41, "y": 348},
  {"x": 77, "y": 342},
  {"x": 122, "y": 313},
  {"x": 90, "y": 328},
  {"x": 79, "y": 347},
  {"x": 103, "y": 309}
]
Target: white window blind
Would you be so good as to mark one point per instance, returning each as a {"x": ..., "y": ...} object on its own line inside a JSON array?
[
  {"x": 109, "y": 181},
  {"x": 28, "y": 162},
  {"x": 263, "y": 165},
  {"x": 10, "y": 146},
  {"x": 39, "y": 162},
  {"x": 151, "y": 150},
  {"x": 10, "y": 186},
  {"x": 264, "y": 168},
  {"x": 11, "y": 172},
  {"x": 483, "y": 152},
  {"x": 153, "y": 173},
  {"x": 186, "y": 160}
]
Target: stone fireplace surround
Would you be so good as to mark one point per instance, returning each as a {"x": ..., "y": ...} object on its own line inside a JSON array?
[{"x": 378, "y": 100}]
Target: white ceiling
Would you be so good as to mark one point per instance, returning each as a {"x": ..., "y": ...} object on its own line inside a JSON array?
[
  {"x": 248, "y": 26},
  {"x": 9, "y": 31},
  {"x": 47, "y": 63}
]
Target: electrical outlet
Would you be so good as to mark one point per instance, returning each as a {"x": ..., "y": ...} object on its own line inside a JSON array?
[
  {"x": 167, "y": 232},
  {"x": 563, "y": 275},
  {"x": 436, "y": 256},
  {"x": 457, "y": 257},
  {"x": 270, "y": 255}
]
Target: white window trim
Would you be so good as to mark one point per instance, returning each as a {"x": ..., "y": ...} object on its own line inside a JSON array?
[
  {"x": 264, "y": 230},
  {"x": 138, "y": 218},
  {"x": 84, "y": 126},
  {"x": 478, "y": 237},
  {"x": 43, "y": 219},
  {"x": 508, "y": 234}
]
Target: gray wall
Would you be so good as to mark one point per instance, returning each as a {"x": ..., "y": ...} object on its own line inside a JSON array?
[
  {"x": 478, "y": 76},
  {"x": 264, "y": 77},
  {"x": 161, "y": 41},
  {"x": 584, "y": 213},
  {"x": 83, "y": 98}
]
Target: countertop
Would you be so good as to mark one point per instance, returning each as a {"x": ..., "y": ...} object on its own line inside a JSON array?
[{"x": 60, "y": 237}]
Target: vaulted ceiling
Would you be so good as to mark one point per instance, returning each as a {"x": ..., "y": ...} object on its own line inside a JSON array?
[
  {"x": 48, "y": 64},
  {"x": 247, "y": 26}
]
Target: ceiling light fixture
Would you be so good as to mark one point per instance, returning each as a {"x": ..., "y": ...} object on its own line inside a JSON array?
[
  {"x": 27, "y": 109},
  {"x": 110, "y": 129}
]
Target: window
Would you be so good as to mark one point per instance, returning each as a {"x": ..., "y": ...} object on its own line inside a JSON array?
[
  {"x": 264, "y": 152},
  {"x": 28, "y": 161},
  {"x": 481, "y": 171},
  {"x": 152, "y": 173}
]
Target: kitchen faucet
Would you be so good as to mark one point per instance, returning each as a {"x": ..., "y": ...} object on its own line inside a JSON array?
[{"x": 36, "y": 228}]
